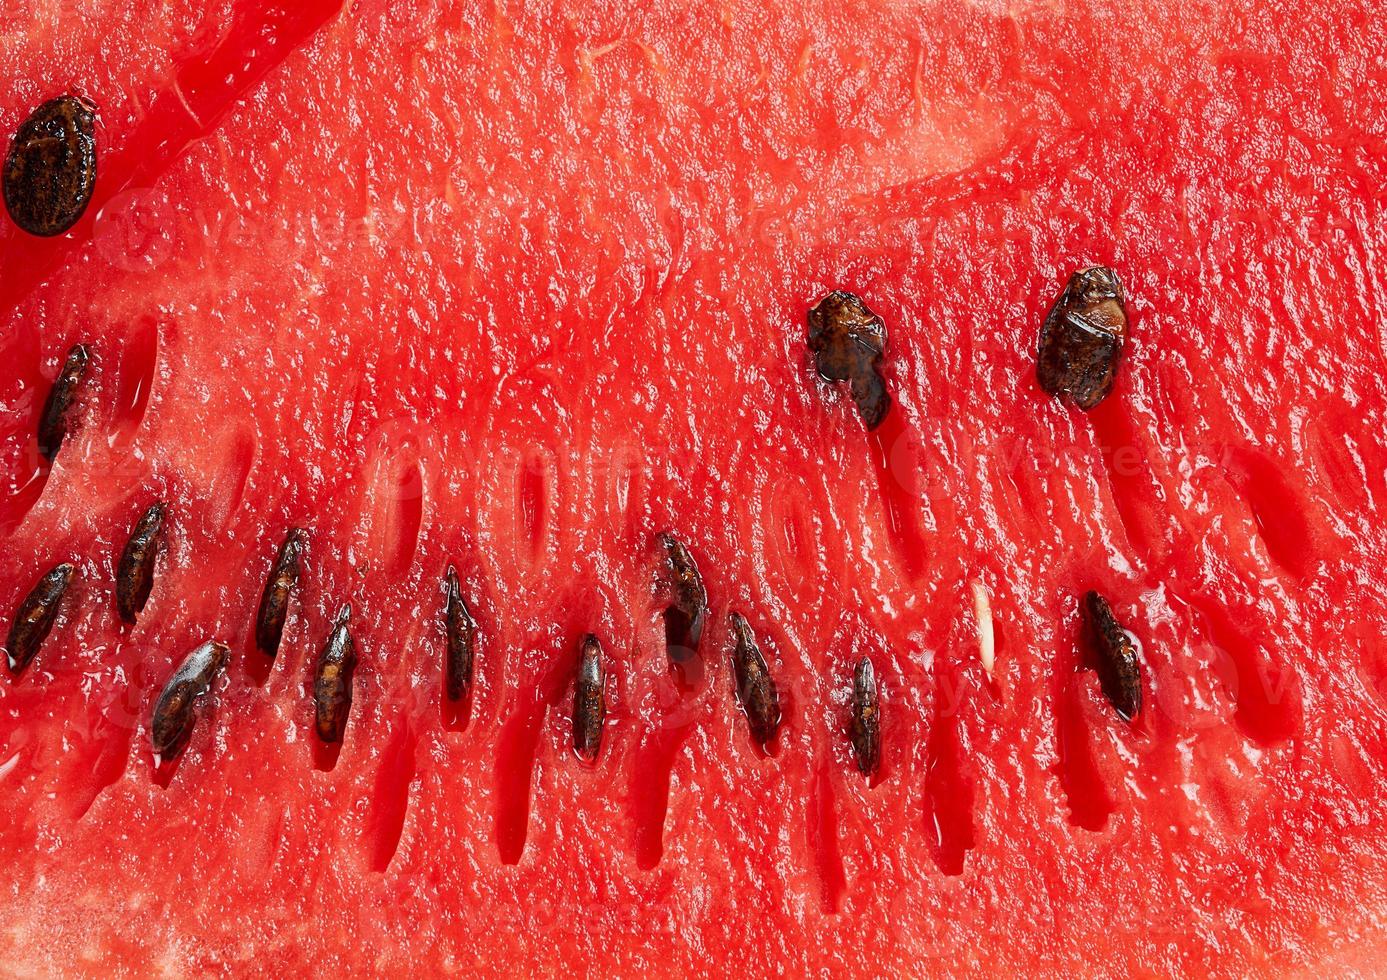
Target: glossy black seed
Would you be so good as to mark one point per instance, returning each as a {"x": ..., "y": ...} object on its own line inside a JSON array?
[
  {"x": 756, "y": 691},
  {"x": 175, "y": 713},
  {"x": 461, "y": 641},
  {"x": 51, "y": 168},
  {"x": 274, "y": 601},
  {"x": 35, "y": 617},
  {"x": 847, "y": 340},
  {"x": 681, "y": 585},
  {"x": 589, "y": 700},
  {"x": 866, "y": 718},
  {"x": 53, "y": 421},
  {"x": 1119, "y": 670},
  {"x": 135, "y": 570},
  {"x": 332, "y": 682},
  {"x": 1082, "y": 338}
]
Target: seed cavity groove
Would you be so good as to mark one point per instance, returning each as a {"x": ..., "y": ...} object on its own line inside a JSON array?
[
  {"x": 332, "y": 681},
  {"x": 1082, "y": 339},
  {"x": 866, "y": 718},
  {"x": 135, "y": 570},
  {"x": 50, "y": 172},
  {"x": 589, "y": 700},
  {"x": 756, "y": 691},
  {"x": 681, "y": 585},
  {"x": 460, "y": 639},
  {"x": 53, "y": 421},
  {"x": 176, "y": 712},
  {"x": 848, "y": 340},
  {"x": 1119, "y": 670},
  {"x": 36, "y": 615},
  {"x": 274, "y": 601}
]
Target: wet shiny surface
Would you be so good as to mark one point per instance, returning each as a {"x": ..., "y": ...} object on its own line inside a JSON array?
[{"x": 543, "y": 296}]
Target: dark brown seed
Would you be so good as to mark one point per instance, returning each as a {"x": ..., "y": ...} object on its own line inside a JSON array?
[
  {"x": 589, "y": 700},
  {"x": 866, "y": 718},
  {"x": 461, "y": 630},
  {"x": 680, "y": 584},
  {"x": 332, "y": 683},
  {"x": 135, "y": 571},
  {"x": 51, "y": 169},
  {"x": 756, "y": 691},
  {"x": 847, "y": 340},
  {"x": 274, "y": 601},
  {"x": 1082, "y": 339},
  {"x": 53, "y": 421},
  {"x": 34, "y": 619},
  {"x": 1119, "y": 670},
  {"x": 175, "y": 712}
]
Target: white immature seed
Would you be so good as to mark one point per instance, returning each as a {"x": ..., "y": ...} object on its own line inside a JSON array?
[{"x": 982, "y": 617}]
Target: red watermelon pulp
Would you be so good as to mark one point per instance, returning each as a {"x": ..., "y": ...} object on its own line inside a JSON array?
[{"x": 514, "y": 288}]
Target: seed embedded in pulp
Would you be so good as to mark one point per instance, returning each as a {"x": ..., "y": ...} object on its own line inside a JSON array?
[
  {"x": 1119, "y": 670},
  {"x": 589, "y": 700},
  {"x": 53, "y": 421},
  {"x": 36, "y": 615},
  {"x": 50, "y": 172},
  {"x": 866, "y": 718},
  {"x": 135, "y": 570},
  {"x": 1082, "y": 339},
  {"x": 756, "y": 691},
  {"x": 274, "y": 601},
  {"x": 332, "y": 682},
  {"x": 461, "y": 641},
  {"x": 848, "y": 340},
  {"x": 682, "y": 586},
  {"x": 175, "y": 713}
]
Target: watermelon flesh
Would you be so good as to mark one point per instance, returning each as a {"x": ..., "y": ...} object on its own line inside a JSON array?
[{"x": 515, "y": 289}]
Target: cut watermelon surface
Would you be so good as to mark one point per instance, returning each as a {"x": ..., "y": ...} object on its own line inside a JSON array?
[{"x": 515, "y": 288}]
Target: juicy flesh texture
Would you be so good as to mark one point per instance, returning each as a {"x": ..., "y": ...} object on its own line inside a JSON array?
[{"x": 515, "y": 289}]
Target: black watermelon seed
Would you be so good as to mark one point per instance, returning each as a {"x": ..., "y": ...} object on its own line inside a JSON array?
[
  {"x": 35, "y": 617},
  {"x": 1082, "y": 338},
  {"x": 274, "y": 601},
  {"x": 866, "y": 718},
  {"x": 461, "y": 639},
  {"x": 332, "y": 682},
  {"x": 53, "y": 421},
  {"x": 50, "y": 172},
  {"x": 682, "y": 586},
  {"x": 756, "y": 691},
  {"x": 847, "y": 340},
  {"x": 589, "y": 700},
  {"x": 135, "y": 571},
  {"x": 175, "y": 712},
  {"x": 1119, "y": 670}
]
